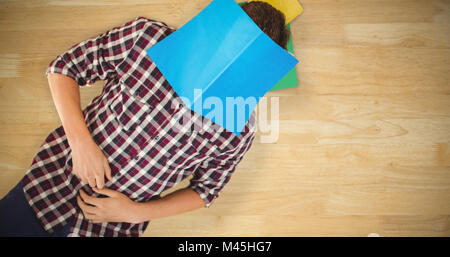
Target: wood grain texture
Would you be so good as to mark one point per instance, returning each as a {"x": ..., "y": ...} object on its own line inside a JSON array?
[{"x": 363, "y": 143}]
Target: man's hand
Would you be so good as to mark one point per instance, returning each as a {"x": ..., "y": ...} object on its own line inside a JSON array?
[
  {"x": 117, "y": 207},
  {"x": 90, "y": 164}
]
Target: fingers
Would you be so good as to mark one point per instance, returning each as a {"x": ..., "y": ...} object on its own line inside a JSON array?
[
  {"x": 100, "y": 179},
  {"x": 93, "y": 176},
  {"x": 91, "y": 181},
  {"x": 100, "y": 176},
  {"x": 83, "y": 179},
  {"x": 106, "y": 191},
  {"x": 86, "y": 178},
  {"x": 89, "y": 199},
  {"x": 87, "y": 210},
  {"x": 88, "y": 215},
  {"x": 97, "y": 179}
]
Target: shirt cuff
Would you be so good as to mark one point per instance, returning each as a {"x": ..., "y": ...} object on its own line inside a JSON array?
[
  {"x": 203, "y": 193},
  {"x": 60, "y": 66}
]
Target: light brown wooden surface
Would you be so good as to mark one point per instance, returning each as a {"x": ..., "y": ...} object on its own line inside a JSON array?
[{"x": 364, "y": 140}]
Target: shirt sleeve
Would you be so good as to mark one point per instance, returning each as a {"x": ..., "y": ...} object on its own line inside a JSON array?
[
  {"x": 97, "y": 58},
  {"x": 212, "y": 175}
]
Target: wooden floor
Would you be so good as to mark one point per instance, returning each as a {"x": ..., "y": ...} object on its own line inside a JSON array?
[{"x": 364, "y": 140}]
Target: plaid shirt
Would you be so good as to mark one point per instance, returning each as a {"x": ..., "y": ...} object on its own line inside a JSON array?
[{"x": 139, "y": 122}]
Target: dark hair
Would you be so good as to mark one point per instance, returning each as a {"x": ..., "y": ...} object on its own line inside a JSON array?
[{"x": 269, "y": 19}]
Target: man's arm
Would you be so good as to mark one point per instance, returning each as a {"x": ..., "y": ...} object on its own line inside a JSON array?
[
  {"x": 208, "y": 181},
  {"x": 86, "y": 62},
  {"x": 117, "y": 207},
  {"x": 66, "y": 96},
  {"x": 180, "y": 201},
  {"x": 206, "y": 184}
]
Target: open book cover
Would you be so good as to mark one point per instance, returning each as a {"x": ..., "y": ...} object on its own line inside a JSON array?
[{"x": 221, "y": 63}]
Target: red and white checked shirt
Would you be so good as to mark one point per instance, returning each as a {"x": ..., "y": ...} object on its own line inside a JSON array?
[{"x": 137, "y": 122}]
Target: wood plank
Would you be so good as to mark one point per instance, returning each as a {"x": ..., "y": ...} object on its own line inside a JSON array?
[
  {"x": 344, "y": 107},
  {"x": 365, "y": 131},
  {"x": 361, "y": 225}
]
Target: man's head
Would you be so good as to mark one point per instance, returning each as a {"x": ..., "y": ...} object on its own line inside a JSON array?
[{"x": 269, "y": 19}]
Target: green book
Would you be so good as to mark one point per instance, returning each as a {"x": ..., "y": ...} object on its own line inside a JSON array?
[{"x": 290, "y": 79}]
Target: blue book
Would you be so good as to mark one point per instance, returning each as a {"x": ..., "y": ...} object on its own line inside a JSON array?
[{"x": 221, "y": 57}]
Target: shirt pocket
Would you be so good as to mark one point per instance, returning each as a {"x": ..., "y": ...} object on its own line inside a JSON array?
[
  {"x": 128, "y": 110},
  {"x": 137, "y": 101}
]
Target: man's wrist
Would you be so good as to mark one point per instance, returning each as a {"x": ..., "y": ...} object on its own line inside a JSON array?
[
  {"x": 76, "y": 141},
  {"x": 141, "y": 211}
]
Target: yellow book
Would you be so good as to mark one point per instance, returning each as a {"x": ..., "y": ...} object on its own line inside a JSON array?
[{"x": 290, "y": 8}]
